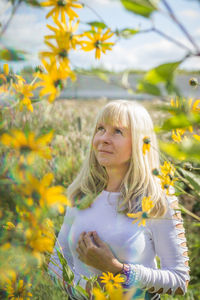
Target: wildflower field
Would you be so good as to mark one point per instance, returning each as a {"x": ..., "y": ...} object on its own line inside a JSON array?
[{"x": 43, "y": 142}]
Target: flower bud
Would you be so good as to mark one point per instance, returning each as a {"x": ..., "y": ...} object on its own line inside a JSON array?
[{"x": 193, "y": 81}]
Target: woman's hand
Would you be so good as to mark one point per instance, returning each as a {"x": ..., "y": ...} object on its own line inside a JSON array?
[{"x": 94, "y": 252}]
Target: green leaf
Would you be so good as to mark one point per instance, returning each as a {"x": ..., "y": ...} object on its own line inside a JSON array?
[
  {"x": 143, "y": 7},
  {"x": 68, "y": 275},
  {"x": 188, "y": 150},
  {"x": 162, "y": 73},
  {"x": 97, "y": 24},
  {"x": 126, "y": 32},
  {"x": 148, "y": 88},
  {"x": 178, "y": 121},
  {"x": 11, "y": 54},
  {"x": 81, "y": 290},
  {"x": 173, "y": 150},
  {"x": 193, "y": 179}
]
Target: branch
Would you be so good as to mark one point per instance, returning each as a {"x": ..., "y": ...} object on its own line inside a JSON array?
[
  {"x": 169, "y": 38},
  {"x": 14, "y": 9},
  {"x": 182, "y": 28},
  {"x": 94, "y": 11}
]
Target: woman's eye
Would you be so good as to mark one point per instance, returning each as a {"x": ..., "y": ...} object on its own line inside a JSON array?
[
  {"x": 100, "y": 128},
  {"x": 118, "y": 131}
]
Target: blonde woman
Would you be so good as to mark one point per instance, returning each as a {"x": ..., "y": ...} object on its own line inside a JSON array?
[{"x": 97, "y": 235}]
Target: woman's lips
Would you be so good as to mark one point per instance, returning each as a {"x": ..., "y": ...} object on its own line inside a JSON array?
[{"x": 103, "y": 151}]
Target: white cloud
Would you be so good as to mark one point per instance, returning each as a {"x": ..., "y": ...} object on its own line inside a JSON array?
[
  {"x": 191, "y": 63},
  {"x": 111, "y": 3},
  {"x": 4, "y": 7},
  {"x": 25, "y": 32},
  {"x": 28, "y": 28},
  {"x": 189, "y": 13}
]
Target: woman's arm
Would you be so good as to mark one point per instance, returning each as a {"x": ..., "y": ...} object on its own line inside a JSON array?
[{"x": 169, "y": 240}]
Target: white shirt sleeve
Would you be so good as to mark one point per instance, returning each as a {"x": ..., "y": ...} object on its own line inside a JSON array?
[
  {"x": 166, "y": 234},
  {"x": 62, "y": 244}
]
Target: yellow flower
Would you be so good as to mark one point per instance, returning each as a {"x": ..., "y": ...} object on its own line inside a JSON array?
[
  {"x": 111, "y": 281},
  {"x": 197, "y": 137},
  {"x": 167, "y": 169},
  {"x": 141, "y": 216},
  {"x": 65, "y": 33},
  {"x": 7, "y": 79},
  {"x": 177, "y": 135},
  {"x": 39, "y": 241},
  {"x": 167, "y": 178},
  {"x": 146, "y": 144},
  {"x": 6, "y": 69},
  {"x": 98, "y": 294},
  {"x": 26, "y": 145},
  {"x": 114, "y": 294},
  {"x": 59, "y": 52},
  {"x": 185, "y": 106},
  {"x": 24, "y": 93},
  {"x": 39, "y": 192},
  {"x": 97, "y": 41},
  {"x": 17, "y": 289},
  {"x": 9, "y": 226},
  {"x": 52, "y": 82},
  {"x": 196, "y": 106},
  {"x": 62, "y": 7}
]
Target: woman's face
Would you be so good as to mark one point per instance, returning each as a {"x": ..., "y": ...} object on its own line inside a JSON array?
[{"x": 112, "y": 145}]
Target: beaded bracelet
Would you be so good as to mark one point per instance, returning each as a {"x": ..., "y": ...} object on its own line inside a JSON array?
[{"x": 130, "y": 275}]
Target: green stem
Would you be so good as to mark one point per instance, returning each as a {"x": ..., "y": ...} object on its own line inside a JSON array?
[
  {"x": 180, "y": 25},
  {"x": 14, "y": 9},
  {"x": 94, "y": 11},
  {"x": 169, "y": 38},
  {"x": 189, "y": 212}
]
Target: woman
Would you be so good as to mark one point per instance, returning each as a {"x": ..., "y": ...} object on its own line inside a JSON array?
[{"x": 97, "y": 235}]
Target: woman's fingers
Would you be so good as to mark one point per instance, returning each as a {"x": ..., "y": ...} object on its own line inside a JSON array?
[
  {"x": 85, "y": 242},
  {"x": 97, "y": 239},
  {"x": 88, "y": 240}
]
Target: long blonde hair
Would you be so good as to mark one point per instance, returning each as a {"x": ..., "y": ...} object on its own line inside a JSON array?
[{"x": 139, "y": 181}]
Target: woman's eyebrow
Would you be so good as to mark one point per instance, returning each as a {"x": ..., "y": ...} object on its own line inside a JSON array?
[{"x": 119, "y": 127}]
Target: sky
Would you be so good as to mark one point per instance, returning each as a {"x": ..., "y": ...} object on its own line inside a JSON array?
[{"x": 142, "y": 51}]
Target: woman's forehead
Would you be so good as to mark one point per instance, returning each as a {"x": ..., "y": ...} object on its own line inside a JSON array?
[{"x": 114, "y": 118}]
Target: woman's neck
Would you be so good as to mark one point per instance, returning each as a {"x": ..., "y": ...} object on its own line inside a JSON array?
[{"x": 115, "y": 179}]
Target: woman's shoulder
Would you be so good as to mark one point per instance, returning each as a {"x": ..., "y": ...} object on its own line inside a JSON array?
[{"x": 171, "y": 207}]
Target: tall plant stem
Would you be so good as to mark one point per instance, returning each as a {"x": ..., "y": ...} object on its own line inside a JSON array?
[
  {"x": 180, "y": 25},
  {"x": 14, "y": 9},
  {"x": 94, "y": 11},
  {"x": 171, "y": 39}
]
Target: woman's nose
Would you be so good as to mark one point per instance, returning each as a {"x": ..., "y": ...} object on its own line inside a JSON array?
[{"x": 106, "y": 138}]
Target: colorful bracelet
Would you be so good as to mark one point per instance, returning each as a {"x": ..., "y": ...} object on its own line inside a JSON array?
[{"x": 129, "y": 275}]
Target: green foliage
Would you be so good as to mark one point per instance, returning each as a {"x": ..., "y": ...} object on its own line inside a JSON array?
[
  {"x": 97, "y": 24},
  {"x": 126, "y": 32},
  {"x": 11, "y": 54},
  {"x": 162, "y": 73},
  {"x": 143, "y": 8},
  {"x": 68, "y": 275},
  {"x": 148, "y": 88}
]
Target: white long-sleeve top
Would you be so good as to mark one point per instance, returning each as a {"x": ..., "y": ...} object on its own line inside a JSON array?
[{"x": 129, "y": 243}]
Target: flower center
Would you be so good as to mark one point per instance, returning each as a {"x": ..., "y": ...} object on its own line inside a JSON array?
[
  {"x": 63, "y": 53},
  {"x": 61, "y": 3},
  {"x": 25, "y": 149},
  {"x": 58, "y": 83},
  {"x": 35, "y": 195},
  {"x": 97, "y": 44},
  {"x": 144, "y": 215}
]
